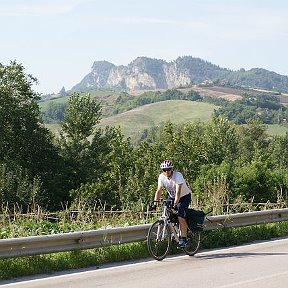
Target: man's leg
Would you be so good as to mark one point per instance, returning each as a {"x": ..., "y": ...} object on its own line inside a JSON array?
[{"x": 183, "y": 226}]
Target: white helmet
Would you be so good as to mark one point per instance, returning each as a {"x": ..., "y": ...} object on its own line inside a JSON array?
[{"x": 166, "y": 164}]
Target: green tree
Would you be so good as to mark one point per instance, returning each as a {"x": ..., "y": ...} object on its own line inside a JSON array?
[
  {"x": 253, "y": 142},
  {"x": 19, "y": 113},
  {"x": 81, "y": 117},
  {"x": 55, "y": 112},
  {"x": 255, "y": 182},
  {"x": 110, "y": 163},
  {"x": 278, "y": 152},
  {"x": 220, "y": 141},
  {"x": 17, "y": 187},
  {"x": 24, "y": 143}
]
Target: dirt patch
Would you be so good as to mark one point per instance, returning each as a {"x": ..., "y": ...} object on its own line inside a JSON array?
[
  {"x": 139, "y": 92},
  {"x": 219, "y": 92},
  {"x": 215, "y": 91},
  {"x": 284, "y": 99}
]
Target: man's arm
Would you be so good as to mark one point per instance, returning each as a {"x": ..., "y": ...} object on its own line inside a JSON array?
[
  {"x": 177, "y": 194},
  {"x": 158, "y": 193}
]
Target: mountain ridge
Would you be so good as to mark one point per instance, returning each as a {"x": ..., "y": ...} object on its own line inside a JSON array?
[{"x": 150, "y": 73}]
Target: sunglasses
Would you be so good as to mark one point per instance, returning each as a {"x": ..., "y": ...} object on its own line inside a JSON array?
[{"x": 166, "y": 170}]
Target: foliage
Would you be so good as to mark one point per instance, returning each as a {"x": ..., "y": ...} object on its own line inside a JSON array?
[
  {"x": 111, "y": 155},
  {"x": 221, "y": 161},
  {"x": 17, "y": 187},
  {"x": 258, "y": 77},
  {"x": 126, "y": 102},
  {"x": 82, "y": 114},
  {"x": 127, "y": 182},
  {"x": 278, "y": 152},
  {"x": 81, "y": 117},
  {"x": 55, "y": 112},
  {"x": 25, "y": 145},
  {"x": 115, "y": 103},
  {"x": 263, "y": 107},
  {"x": 18, "y": 113}
]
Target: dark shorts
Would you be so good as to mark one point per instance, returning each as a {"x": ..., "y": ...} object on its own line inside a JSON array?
[{"x": 184, "y": 203}]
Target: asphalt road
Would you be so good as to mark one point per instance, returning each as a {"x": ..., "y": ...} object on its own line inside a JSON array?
[{"x": 262, "y": 264}]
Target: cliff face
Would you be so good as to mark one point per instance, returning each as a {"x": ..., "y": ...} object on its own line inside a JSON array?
[
  {"x": 142, "y": 73},
  {"x": 146, "y": 73}
]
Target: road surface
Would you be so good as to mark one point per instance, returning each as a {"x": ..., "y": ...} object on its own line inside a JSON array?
[{"x": 262, "y": 264}]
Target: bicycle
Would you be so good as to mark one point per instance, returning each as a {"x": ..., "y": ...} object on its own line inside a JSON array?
[{"x": 165, "y": 231}]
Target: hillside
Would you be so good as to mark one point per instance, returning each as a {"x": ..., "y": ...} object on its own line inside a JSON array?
[
  {"x": 130, "y": 112},
  {"x": 154, "y": 74},
  {"x": 147, "y": 116},
  {"x": 136, "y": 120}
]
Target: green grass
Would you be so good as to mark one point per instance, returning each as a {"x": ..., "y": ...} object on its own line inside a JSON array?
[
  {"x": 134, "y": 121},
  {"x": 55, "y": 128},
  {"x": 177, "y": 111},
  {"x": 105, "y": 96},
  {"x": 276, "y": 130},
  {"x": 61, "y": 100},
  {"x": 24, "y": 266}
]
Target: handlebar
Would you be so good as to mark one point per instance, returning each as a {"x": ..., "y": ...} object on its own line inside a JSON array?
[{"x": 167, "y": 203}]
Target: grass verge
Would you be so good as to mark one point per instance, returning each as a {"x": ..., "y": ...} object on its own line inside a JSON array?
[{"x": 24, "y": 266}]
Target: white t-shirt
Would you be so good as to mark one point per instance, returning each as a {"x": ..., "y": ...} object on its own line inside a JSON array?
[{"x": 170, "y": 184}]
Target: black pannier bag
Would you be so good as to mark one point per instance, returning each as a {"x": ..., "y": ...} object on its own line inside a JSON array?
[{"x": 195, "y": 219}]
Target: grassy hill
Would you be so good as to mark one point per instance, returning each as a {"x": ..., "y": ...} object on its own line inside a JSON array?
[
  {"x": 277, "y": 130},
  {"x": 136, "y": 120},
  {"x": 106, "y": 97},
  {"x": 177, "y": 111}
]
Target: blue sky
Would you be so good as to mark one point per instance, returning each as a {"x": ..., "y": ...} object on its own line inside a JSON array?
[{"x": 57, "y": 41}]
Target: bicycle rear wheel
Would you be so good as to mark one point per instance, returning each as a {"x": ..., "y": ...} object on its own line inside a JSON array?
[
  {"x": 193, "y": 243},
  {"x": 159, "y": 240}
]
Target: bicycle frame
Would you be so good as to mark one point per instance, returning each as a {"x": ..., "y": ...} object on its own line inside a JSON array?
[{"x": 173, "y": 227}]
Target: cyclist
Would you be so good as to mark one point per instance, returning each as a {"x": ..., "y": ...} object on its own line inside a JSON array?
[{"x": 179, "y": 192}]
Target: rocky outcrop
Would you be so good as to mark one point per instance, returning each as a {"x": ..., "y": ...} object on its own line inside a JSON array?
[
  {"x": 147, "y": 73},
  {"x": 142, "y": 73}
]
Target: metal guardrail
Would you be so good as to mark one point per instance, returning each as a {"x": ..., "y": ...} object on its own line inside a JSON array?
[{"x": 35, "y": 245}]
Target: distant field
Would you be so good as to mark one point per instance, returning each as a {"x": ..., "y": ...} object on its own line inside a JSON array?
[
  {"x": 43, "y": 105},
  {"x": 105, "y": 96},
  {"x": 230, "y": 94},
  {"x": 177, "y": 111},
  {"x": 277, "y": 130}
]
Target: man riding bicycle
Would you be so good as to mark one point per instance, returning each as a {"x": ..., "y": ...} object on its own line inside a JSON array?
[{"x": 179, "y": 192}]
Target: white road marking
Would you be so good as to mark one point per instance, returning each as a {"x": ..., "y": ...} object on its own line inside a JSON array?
[{"x": 119, "y": 266}]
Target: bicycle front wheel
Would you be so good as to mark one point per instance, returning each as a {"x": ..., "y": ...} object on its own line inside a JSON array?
[
  {"x": 159, "y": 240},
  {"x": 193, "y": 243}
]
